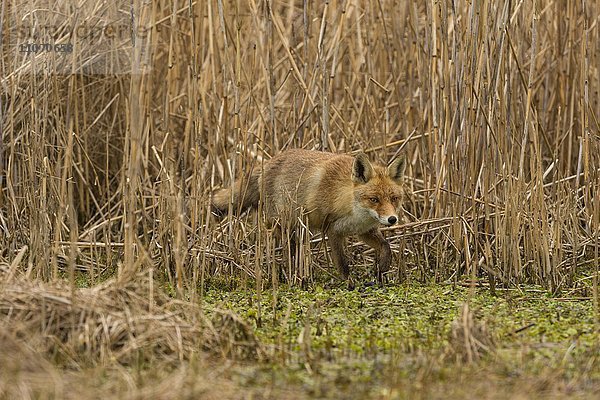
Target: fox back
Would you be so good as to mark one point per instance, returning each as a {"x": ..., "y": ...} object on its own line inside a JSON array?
[{"x": 338, "y": 192}]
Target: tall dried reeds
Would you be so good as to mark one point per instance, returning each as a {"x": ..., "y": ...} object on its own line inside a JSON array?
[{"x": 108, "y": 163}]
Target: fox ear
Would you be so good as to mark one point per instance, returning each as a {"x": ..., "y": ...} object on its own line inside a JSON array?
[
  {"x": 397, "y": 168},
  {"x": 362, "y": 170}
]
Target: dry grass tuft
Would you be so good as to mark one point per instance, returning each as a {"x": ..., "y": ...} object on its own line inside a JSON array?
[
  {"x": 27, "y": 374},
  {"x": 24, "y": 373},
  {"x": 470, "y": 338},
  {"x": 235, "y": 337},
  {"x": 117, "y": 321}
]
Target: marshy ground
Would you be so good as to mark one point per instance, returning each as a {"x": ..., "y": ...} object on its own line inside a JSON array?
[
  {"x": 414, "y": 340},
  {"x": 419, "y": 341},
  {"x": 120, "y": 119}
]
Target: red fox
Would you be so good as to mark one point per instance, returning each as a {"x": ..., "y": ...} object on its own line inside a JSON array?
[{"x": 341, "y": 195}]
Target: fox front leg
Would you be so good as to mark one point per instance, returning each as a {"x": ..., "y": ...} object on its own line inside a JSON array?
[
  {"x": 383, "y": 253},
  {"x": 338, "y": 255}
]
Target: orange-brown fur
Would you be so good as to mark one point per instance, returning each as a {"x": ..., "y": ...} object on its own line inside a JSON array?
[{"x": 341, "y": 195}]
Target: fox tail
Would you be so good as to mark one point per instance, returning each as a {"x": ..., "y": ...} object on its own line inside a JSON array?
[{"x": 243, "y": 195}]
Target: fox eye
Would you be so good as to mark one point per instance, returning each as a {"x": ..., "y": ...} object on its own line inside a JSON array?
[
  {"x": 394, "y": 199},
  {"x": 374, "y": 200}
]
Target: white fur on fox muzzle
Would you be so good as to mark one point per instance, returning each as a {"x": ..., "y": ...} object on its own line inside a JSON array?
[{"x": 388, "y": 220}]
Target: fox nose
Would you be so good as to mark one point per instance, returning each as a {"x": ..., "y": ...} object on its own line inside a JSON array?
[{"x": 392, "y": 220}]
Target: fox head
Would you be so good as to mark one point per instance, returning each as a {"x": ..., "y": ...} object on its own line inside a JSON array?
[{"x": 378, "y": 190}]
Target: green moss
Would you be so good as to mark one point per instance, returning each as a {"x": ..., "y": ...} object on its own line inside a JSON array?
[
  {"x": 382, "y": 335},
  {"x": 403, "y": 316}
]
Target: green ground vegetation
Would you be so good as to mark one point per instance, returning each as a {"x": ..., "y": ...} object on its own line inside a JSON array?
[{"x": 405, "y": 341}]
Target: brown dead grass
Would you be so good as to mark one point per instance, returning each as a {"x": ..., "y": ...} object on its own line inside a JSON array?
[
  {"x": 470, "y": 338},
  {"x": 63, "y": 342},
  {"x": 495, "y": 105},
  {"x": 126, "y": 322},
  {"x": 107, "y": 171}
]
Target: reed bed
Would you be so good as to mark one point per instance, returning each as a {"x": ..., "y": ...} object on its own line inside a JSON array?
[
  {"x": 109, "y": 153},
  {"x": 128, "y": 322},
  {"x": 107, "y": 165}
]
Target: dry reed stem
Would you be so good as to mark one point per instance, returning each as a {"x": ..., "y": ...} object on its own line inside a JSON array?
[{"x": 494, "y": 103}]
